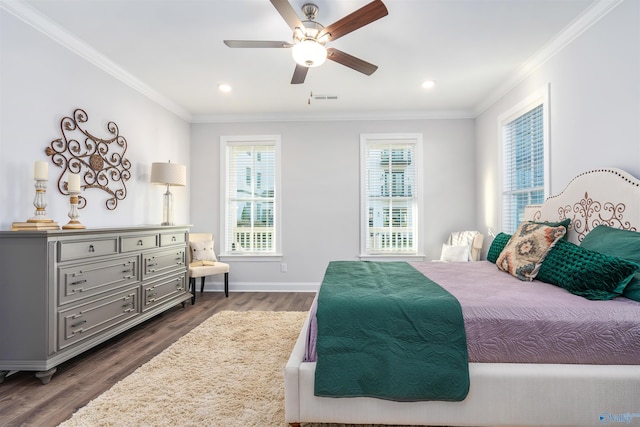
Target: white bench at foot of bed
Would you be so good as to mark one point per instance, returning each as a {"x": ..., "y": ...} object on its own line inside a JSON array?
[{"x": 501, "y": 394}]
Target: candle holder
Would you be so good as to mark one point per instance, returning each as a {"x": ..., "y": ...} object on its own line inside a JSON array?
[
  {"x": 39, "y": 221},
  {"x": 73, "y": 223}
]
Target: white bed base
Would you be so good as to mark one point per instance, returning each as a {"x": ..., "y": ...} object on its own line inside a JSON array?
[{"x": 503, "y": 394}]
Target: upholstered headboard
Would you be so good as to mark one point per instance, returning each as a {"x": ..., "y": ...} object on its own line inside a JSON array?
[{"x": 603, "y": 196}]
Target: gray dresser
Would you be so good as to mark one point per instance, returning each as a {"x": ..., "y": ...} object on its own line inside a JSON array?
[{"x": 63, "y": 292}]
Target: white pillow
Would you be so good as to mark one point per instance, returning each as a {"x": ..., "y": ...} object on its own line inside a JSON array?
[
  {"x": 454, "y": 253},
  {"x": 202, "y": 251}
]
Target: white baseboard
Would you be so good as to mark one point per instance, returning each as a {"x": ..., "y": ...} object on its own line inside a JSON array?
[{"x": 260, "y": 287}]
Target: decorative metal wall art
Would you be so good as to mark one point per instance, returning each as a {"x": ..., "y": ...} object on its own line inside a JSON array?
[{"x": 99, "y": 162}]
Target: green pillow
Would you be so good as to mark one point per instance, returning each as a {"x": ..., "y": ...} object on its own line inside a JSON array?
[
  {"x": 620, "y": 243},
  {"x": 587, "y": 273},
  {"x": 498, "y": 244}
]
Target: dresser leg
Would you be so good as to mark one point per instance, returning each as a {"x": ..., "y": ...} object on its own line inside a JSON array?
[{"x": 45, "y": 376}]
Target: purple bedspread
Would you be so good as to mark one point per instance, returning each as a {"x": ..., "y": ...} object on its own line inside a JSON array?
[{"x": 510, "y": 321}]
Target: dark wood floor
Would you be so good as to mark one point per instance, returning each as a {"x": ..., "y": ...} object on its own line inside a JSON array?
[{"x": 24, "y": 401}]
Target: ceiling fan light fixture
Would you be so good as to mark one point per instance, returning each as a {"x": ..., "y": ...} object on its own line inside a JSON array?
[{"x": 309, "y": 53}]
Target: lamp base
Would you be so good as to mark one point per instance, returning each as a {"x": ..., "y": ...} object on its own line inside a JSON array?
[{"x": 167, "y": 208}]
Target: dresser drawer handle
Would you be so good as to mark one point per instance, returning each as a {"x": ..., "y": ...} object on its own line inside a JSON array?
[
  {"x": 173, "y": 238},
  {"x": 77, "y": 331},
  {"x": 75, "y": 325},
  {"x": 128, "y": 271},
  {"x": 140, "y": 243},
  {"x": 91, "y": 248},
  {"x": 152, "y": 264},
  {"x": 73, "y": 291},
  {"x": 129, "y": 304},
  {"x": 78, "y": 282}
]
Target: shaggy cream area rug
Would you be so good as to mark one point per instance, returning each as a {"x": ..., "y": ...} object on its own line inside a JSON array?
[{"x": 228, "y": 371}]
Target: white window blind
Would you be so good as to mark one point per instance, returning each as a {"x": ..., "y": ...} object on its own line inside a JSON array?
[
  {"x": 250, "y": 195},
  {"x": 523, "y": 166},
  {"x": 390, "y": 169}
]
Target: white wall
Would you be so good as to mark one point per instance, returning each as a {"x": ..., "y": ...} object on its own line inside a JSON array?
[
  {"x": 40, "y": 83},
  {"x": 594, "y": 108},
  {"x": 320, "y": 190}
]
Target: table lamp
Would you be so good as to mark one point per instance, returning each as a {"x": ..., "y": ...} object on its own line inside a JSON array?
[{"x": 168, "y": 174}]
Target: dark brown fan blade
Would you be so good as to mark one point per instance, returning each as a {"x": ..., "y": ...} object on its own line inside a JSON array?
[
  {"x": 361, "y": 17},
  {"x": 288, "y": 13},
  {"x": 256, "y": 43},
  {"x": 299, "y": 74},
  {"x": 351, "y": 61}
]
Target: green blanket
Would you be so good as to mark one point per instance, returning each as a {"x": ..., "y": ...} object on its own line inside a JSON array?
[{"x": 387, "y": 331}]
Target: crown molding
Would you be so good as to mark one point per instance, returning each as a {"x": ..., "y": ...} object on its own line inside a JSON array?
[
  {"x": 333, "y": 116},
  {"x": 41, "y": 23},
  {"x": 598, "y": 10}
]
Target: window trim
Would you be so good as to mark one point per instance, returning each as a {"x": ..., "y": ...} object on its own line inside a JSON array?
[
  {"x": 366, "y": 139},
  {"x": 272, "y": 140},
  {"x": 539, "y": 97}
]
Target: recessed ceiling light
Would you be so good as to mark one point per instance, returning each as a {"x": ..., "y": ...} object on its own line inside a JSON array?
[
  {"x": 428, "y": 84},
  {"x": 224, "y": 87}
]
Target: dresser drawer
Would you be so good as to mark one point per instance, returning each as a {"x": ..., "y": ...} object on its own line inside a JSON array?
[
  {"x": 163, "y": 262},
  {"x": 82, "y": 322},
  {"x": 163, "y": 290},
  {"x": 168, "y": 239},
  {"x": 85, "y": 280},
  {"x": 78, "y": 249},
  {"x": 136, "y": 243}
]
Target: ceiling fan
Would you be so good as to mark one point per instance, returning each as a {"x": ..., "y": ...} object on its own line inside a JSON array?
[{"x": 309, "y": 37}]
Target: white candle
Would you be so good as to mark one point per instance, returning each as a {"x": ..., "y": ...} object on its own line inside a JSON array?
[
  {"x": 73, "y": 185},
  {"x": 40, "y": 170}
]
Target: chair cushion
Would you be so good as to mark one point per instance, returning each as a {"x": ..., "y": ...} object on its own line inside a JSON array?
[{"x": 208, "y": 270}]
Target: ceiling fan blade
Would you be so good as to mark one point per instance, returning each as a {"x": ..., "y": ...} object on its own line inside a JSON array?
[
  {"x": 361, "y": 17},
  {"x": 351, "y": 61},
  {"x": 256, "y": 43},
  {"x": 299, "y": 74},
  {"x": 288, "y": 13}
]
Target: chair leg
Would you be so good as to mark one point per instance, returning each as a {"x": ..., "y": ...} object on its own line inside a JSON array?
[
  {"x": 192, "y": 288},
  {"x": 202, "y": 285},
  {"x": 226, "y": 284}
]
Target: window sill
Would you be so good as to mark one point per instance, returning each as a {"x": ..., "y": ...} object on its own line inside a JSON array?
[
  {"x": 251, "y": 258},
  {"x": 390, "y": 257}
]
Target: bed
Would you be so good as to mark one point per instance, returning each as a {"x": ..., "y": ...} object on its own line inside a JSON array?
[{"x": 594, "y": 384}]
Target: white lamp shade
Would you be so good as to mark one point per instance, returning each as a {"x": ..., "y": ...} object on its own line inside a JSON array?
[
  {"x": 168, "y": 174},
  {"x": 309, "y": 53}
]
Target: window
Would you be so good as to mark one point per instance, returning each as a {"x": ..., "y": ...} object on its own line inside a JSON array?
[
  {"x": 390, "y": 203},
  {"x": 251, "y": 194},
  {"x": 524, "y": 158}
]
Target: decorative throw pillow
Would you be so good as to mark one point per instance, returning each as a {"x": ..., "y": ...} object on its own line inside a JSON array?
[
  {"x": 202, "y": 251},
  {"x": 565, "y": 223},
  {"x": 527, "y": 248},
  {"x": 620, "y": 243},
  {"x": 498, "y": 244},
  {"x": 454, "y": 253},
  {"x": 587, "y": 273}
]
